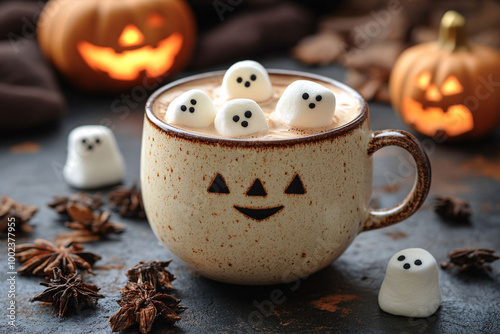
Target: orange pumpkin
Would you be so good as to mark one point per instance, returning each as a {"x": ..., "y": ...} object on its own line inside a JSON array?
[
  {"x": 110, "y": 45},
  {"x": 450, "y": 87}
]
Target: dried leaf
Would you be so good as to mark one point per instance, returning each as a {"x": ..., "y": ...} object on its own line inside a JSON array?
[
  {"x": 321, "y": 49},
  {"x": 368, "y": 88},
  {"x": 375, "y": 59}
]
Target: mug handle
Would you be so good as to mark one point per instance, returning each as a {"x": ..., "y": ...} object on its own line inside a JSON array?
[{"x": 385, "y": 217}]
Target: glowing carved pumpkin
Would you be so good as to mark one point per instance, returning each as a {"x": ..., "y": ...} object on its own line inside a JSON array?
[
  {"x": 450, "y": 87},
  {"x": 113, "y": 45}
]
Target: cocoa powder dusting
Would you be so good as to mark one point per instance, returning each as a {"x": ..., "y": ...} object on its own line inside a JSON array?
[
  {"x": 397, "y": 235},
  {"x": 479, "y": 165},
  {"x": 26, "y": 147},
  {"x": 330, "y": 304}
]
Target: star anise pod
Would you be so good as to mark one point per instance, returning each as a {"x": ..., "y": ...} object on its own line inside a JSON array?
[
  {"x": 43, "y": 256},
  {"x": 68, "y": 293},
  {"x": 142, "y": 305},
  {"x": 153, "y": 272},
  {"x": 89, "y": 227},
  {"x": 452, "y": 208},
  {"x": 127, "y": 201},
  {"x": 14, "y": 212},
  {"x": 61, "y": 203},
  {"x": 471, "y": 258}
]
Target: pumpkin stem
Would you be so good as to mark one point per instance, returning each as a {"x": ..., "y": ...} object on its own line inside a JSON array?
[{"x": 452, "y": 34}]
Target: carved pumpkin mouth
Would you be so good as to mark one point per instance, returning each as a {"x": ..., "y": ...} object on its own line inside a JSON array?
[
  {"x": 259, "y": 214},
  {"x": 455, "y": 120},
  {"x": 127, "y": 65}
]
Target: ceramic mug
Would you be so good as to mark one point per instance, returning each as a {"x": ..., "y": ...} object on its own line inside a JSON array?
[{"x": 264, "y": 212}]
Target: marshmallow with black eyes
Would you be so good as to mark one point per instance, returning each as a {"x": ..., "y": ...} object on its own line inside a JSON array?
[
  {"x": 240, "y": 117},
  {"x": 193, "y": 108},
  {"x": 248, "y": 80},
  {"x": 305, "y": 104},
  {"x": 94, "y": 159},
  {"x": 411, "y": 284}
]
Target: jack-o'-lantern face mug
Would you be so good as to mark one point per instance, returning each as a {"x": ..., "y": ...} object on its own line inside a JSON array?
[{"x": 267, "y": 211}]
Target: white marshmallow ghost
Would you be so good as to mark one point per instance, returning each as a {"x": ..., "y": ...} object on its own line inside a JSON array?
[
  {"x": 94, "y": 159},
  {"x": 305, "y": 104},
  {"x": 411, "y": 284},
  {"x": 240, "y": 117},
  {"x": 247, "y": 79},
  {"x": 193, "y": 108}
]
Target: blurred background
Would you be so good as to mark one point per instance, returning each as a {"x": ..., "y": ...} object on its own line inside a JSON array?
[{"x": 363, "y": 37}]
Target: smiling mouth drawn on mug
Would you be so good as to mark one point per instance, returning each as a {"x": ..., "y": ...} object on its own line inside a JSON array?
[
  {"x": 259, "y": 214},
  {"x": 219, "y": 186}
]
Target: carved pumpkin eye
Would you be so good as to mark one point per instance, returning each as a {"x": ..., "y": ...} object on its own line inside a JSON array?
[
  {"x": 423, "y": 80},
  {"x": 433, "y": 93},
  {"x": 155, "y": 20},
  {"x": 131, "y": 36},
  {"x": 451, "y": 86}
]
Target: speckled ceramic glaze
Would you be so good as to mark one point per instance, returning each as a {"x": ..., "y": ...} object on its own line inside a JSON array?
[{"x": 218, "y": 227}]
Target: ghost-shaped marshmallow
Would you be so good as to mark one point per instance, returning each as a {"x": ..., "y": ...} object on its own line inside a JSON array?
[
  {"x": 94, "y": 159},
  {"x": 305, "y": 104},
  {"x": 247, "y": 79},
  {"x": 193, "y": 108},
  {"x": 411, "y": 284},
  {"x": 240, "y": 117}
]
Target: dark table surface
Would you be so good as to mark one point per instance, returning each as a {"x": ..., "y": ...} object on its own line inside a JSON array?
[{"x": 340, "y": 298}]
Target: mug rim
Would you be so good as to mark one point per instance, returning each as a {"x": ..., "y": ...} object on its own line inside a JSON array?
[{"x": 339, "y": 131}]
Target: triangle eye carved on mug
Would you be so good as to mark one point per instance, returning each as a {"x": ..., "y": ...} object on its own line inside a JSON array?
[
  {"x": 218, "y": 185},
  {"x": 257, "y": 189},
  {"x": 296, "y": 187}
]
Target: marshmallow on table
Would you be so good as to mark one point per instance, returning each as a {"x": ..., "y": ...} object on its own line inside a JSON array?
[
  {"x": 193, "y": 108},
  {"x": 305, "y": 104},
  {"x": 94, "y": 159},
  {"x": 411, "y": 284},
  {"x": 240, "y": 117},
  {"x": 247, "y": 79}
]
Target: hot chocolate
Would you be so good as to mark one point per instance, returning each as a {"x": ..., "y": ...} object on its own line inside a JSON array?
[
  {"x": 260, "y": 210},
  {"x": 346, "y": 110}
]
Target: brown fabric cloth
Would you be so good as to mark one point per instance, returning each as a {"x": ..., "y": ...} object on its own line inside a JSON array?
[
  {"x": 29, "y": 94},
  {"x": 28, "y": 91},
  {"x": 244, "y": 34},
  {"x": 19, "y": 18}
]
